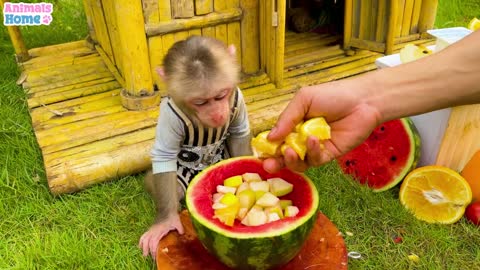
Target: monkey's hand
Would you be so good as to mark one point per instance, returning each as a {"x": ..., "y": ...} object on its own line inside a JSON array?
[{"x": 150, "y": 239}]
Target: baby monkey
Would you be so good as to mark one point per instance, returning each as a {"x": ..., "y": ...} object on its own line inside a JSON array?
[{"x": 202, "y": 121}]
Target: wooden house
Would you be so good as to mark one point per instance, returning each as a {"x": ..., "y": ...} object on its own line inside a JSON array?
[{"x": 94, "y": 102}]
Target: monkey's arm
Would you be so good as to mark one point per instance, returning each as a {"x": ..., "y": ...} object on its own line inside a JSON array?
[{"x": 164, "y": 194}]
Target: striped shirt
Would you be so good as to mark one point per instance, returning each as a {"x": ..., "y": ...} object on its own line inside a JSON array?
[{"x": 186, "y": 147}]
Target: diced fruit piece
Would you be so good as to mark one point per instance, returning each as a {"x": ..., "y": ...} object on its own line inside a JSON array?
[
  {"x": 267, "y": 200},
  {"x": 251, "y": 177},
  {"x": 280, "y": 187},
  {"x": 435, "y": 194},
  {"x": 229, "y": 199},
  {"x": 317, "y": 127},
  {"x": 262, "y": 186},
  {"x": 246, "y": 198},
  {"x": 255, "y": 217},
  {"x": 284, "y": 203},
  {"x": 242, "y": 212},
  {"x": 297, "y": 143},
  {"x": 217, "y": 196},
  {"x": 243, "y": 187},
  {"x": 271, "y": 217},
  {"x": 471, "y": 173},
  {"x": 259, "y": 194},
  {"x": 275, "y": 209},
  {"x": 298, "y": 127},
  {"x": 233, "y": 181},
  {"x": 218, "y": 205},
  {"x": 224, "y": 189},
  {"x": 291, "y": 211},
  {"x": 262, "y": 147},
  {"x": 228, "y": 220},
  {"x": 227, "y": 215},
  {"x": 474, "y": 24},
  {"x": 413, "y": 52}
]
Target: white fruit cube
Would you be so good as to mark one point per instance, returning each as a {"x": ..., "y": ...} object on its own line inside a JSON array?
[
  {"x": 242, "y": 213},
  {"x": 246, "y": 198},
  {"x": 233, "y": 181},
  {"x": 255, "y": 217},
  {"x": 280, "y": 187},
  {"x": 242, "y": 187},
  {"x": 260, "y": 186},
  {"x": 217, "y": 196},
  {"x": 224, "y": 189},
  {"x": 285, "y": 203},
  {"x": 218, "y": 205},
  {"x": 267, "y": 200},
  {"x": 251, "y": 177},
  {"x": 275, "y": 209},
  {"x": 291, "y": 211},
  {"x": 272, "y": 217}
]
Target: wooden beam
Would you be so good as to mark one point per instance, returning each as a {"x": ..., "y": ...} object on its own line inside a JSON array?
[
  {"x": 392, "y": 25},
  {"x": 214, "y": 18},
  {"x": 182, "y": 8},
  {"x": 427, "y": 15},
  {"x": 21, "y": 52},
  {"x": 250, "y": 36}
]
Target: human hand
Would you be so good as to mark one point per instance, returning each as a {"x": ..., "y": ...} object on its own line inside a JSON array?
[
  {"x": 350, "y": 118},
  {"x": 150, "y": 239}
]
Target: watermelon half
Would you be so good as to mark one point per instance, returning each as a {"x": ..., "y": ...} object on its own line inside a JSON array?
[
  {"x": 251, "y": 247},
  {"x": 386, "y": 156}
]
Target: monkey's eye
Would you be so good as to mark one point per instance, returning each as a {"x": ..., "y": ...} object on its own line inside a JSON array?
[
  {"x": 222, "y": 95},
  {"x": 199, "y": 102}
]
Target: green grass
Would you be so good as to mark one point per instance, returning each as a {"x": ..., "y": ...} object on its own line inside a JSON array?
[{"x": 99, "y": 228}]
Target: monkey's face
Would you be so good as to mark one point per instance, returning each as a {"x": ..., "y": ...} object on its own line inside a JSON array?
[{"x": 213, "y": 109}]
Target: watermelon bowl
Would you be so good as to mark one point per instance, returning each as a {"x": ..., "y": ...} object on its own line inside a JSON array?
[{"x": 266, "y": 246}]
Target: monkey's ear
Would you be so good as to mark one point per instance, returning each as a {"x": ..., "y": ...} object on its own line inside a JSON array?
[
  {"x": 232, "y": 50},
  {"x": 160, "y": 72}
]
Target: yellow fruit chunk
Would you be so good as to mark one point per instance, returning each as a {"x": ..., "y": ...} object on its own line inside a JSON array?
[
  {"x": 317, "y": 127},
  {"x": 229, "y": 199},
  {"x": 435, "y": 194},
  {"x": 412, "y": 52},
  {"x": 264, "y": 148},
  {"x": 295, "y": 141},
  {"x": 474, "y": 24},
  {"x": 228, "y": 214},
  {"x": 233, "y": 181}
]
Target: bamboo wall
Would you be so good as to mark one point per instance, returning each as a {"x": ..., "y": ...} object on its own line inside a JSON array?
[{"x": 377, "y": 24}]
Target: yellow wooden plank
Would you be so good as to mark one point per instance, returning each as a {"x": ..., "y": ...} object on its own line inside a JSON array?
[
  {"x": 365, "y": 14},
  {"x": 232, "y": 3},
  {"x": 407, "y": 17},
  {"x": 314, "y": 56},
  {"x": 74, "y": 174},
  {"x": 150, "y": 11},
  {"x": 347, "y": 23},
  {"x": 167, "y": 42},
  {"x": 197, "y": 22},
  {"x": 261, "y": 35},
  {"x": 460, "y": 140},
  {"x": 399, "y": 46},
  {"x": 253, "y": 81},
  {"x": 34, "y": 75},
  {"x": 103, "y": 146},
  {"x": 280, "y": 42},
  {"x": 380, "y": 31},
  {"x": 112, "y": 26},
  {"x": 269, "y": 41},
  {"x": 221, "y": 33},
  {"x": 94, "y": 129},
  {"x": 136, "y": 64},
  {"x": 233, "y": 37},
  {"x": 74, "y": 93},
  {"x": 52, "y": 83},
  {"x": 250, "y": 36},
  {"x": 253, "y": 94},
  {"x": 44, "y": 78},
  {"x": 38, "y": 91},
  {"x": 179, "y": 36},
  {"x": 44, "y": 113},
  {"x": 367, "y": 44},
  {"x": 311, "y": 44},
  {"x": 301, "y": 38},
  {"x": 417, "y": 7},
  {"x": 182, "y": 9},
  {"x": 52, "y": 59},
  {"x": 203, "y": 7},
  {"x": 164, "y": 10},
  {"x": 208, "y": 31},
  {"x": 408, "y": 38},
  {"x": 356, "y": 18},
  {"x": 64, "y": 61},
  {"x": 219, "y": 5},
  {"x": 373, "y": 20},
  {"x": 57, "y": 48}
]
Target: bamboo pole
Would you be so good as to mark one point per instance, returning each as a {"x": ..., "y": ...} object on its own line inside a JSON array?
[
  {"x": 156, "y": 54},
  {"x": 110, "y": 19},
  {"x": 137, "y": 73},
  {"x": 89, "y": 16},
  {"x": 111, "y": 66},
  {"x": 150, "y": 11},
  {"x": 164, "y": 10},
  {"x": 407, "y": 18},
  {"x": 195, "y": 32},
  {"x": 234, "y": 37},
  {"x": 208, "y": 31},
  {"x": 221, "y": 33},
  {"x": 392, "y": 25},
  {"x": 182, "y": 9},
  {"x": 262, "y": 35},
  {"x": 101, "y": 31},
  {"x": 347, "y": 24},
  {"x": 427, "y": 15},
  {"x": 214, "y": 18},
  {"x": 365, "y": 15},
  {"x": 219, "y": 5},
  {"x": 381, "y": 21},
  {"x": 250, "y": 36},
  {"x": 280, "y": 42},
  {"x": 417, "y": 8},
  {"x": 400, "y": 14},
  {"x": 21, "y": 52}
]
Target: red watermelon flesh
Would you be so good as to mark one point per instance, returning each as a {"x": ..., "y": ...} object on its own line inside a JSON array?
[{"x": 385, "y": 157}]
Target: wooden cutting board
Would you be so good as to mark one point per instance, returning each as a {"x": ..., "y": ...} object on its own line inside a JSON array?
[{"x": 324, "y": 249}]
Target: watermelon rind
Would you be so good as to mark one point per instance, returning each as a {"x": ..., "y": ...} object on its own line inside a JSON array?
[
  {"x": 410, "y": 162},
  {"x": 265, "y": 249}
]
